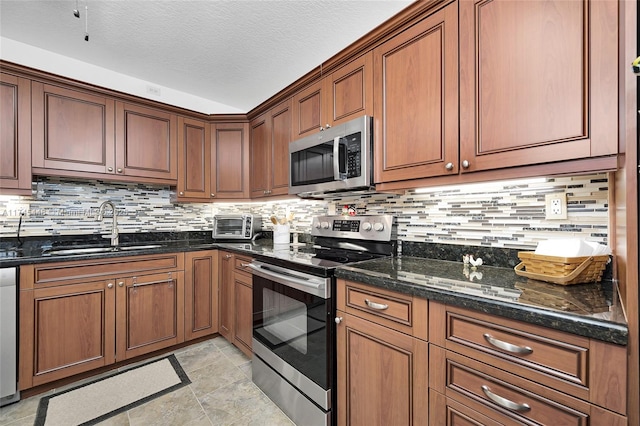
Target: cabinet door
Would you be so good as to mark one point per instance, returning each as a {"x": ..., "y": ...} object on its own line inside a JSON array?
[
  {"x": 260, "y": 156},
  {"x": 416, "y": 100},
  {"x": 350, "y": 90},
  {"x": 227, "y": 304},
  {"x": 243, "y": 316},
  {"x": 308, "y": 113},
  {"x": 230, "y": 160},
  {"x": 66, "y": 330},
  {"x": 538, "y": 81},
  {"x": 201, "y": 294},
  {"x": 372, "y": 360},
  {"x": 280, "y": 139},
  {"x": 194, "y": 159},
  {"x": 72, "y": 130},
  {"x": 146, "y": 141},
  {"x": 15, "y": 139},
  {"x": 149, "y": 313}
]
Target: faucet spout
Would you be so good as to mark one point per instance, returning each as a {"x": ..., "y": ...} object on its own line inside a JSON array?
[{"x": 114, "y": 228}]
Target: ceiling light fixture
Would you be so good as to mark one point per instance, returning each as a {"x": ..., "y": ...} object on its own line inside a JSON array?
[{"x": 86, "y": 23}]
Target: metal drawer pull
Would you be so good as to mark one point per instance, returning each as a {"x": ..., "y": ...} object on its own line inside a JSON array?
[
  {"x": 521, "y": 350},
  {"x": 504, "y": 402},
  {"x": 374, "y": 305}
]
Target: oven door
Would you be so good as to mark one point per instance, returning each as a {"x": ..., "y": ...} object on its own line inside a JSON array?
[{"x": 293, "y": 331}]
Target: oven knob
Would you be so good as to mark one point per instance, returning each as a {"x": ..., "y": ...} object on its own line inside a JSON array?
[
  {"x": 325, "y": 225},
  {"x": 378, "y": 227},
  {"x": 366, "y": 226},
  {"x": 316, "y": 225}
]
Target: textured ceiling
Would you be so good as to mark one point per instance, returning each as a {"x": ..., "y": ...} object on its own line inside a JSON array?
[{"x": 236, "y": 53}]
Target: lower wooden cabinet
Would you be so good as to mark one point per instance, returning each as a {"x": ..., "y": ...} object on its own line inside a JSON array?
[
  {"x": 382, "y": 356},
  {"x": 382, "y": 375},
  {"x": 82, "y": 315},
  {"x": 201, "y": 296},
  {"x": 236, "y": 301}
]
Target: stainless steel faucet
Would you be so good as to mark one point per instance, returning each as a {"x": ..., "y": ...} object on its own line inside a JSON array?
[{"x": 114, "y": 229}]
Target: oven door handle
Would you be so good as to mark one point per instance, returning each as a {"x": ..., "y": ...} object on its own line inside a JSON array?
[{"x": 300, "y": 283}]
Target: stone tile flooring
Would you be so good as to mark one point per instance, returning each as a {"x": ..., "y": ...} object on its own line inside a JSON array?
[{"x": 221, "y": 393}]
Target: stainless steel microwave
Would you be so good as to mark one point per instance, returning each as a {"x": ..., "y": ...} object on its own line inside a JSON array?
[
  {"x": 337, "y": 159},
  {"x": 235, "y": 226}
]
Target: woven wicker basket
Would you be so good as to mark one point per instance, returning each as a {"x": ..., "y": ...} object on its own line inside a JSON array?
[{"x": 561, "y": 270}]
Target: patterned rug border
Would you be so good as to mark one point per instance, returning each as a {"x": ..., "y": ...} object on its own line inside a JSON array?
[{"x": 43, "y": 405}]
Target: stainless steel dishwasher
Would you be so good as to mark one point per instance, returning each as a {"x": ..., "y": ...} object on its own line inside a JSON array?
[{"x": 8, "y": 336}]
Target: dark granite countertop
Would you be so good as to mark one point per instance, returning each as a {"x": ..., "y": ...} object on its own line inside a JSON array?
[{"x": 590, "y": 310}]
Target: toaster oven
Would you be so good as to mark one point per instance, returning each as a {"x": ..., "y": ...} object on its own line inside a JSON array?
[{"x": 235, "y": 226}]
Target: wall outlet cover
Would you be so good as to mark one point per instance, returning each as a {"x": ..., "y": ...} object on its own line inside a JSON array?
[{"x": 556, "y": 206}]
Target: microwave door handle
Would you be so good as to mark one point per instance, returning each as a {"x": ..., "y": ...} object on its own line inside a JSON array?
[{"x": 336, "y": 158}]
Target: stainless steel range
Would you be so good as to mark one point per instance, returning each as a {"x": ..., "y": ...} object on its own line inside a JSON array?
[{"x": 294, "y": 309}]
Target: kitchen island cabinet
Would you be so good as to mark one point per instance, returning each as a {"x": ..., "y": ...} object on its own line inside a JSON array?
[
  {"x": 340, "y": 96},
  {"x": 80, "y": 315},
  {"x": 15, "y": 145},
  {"x": 201, "y": 298},
  {"x": 269, "y": 152}
]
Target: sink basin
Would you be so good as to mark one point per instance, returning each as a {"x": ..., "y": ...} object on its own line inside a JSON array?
[{"x": 92, "y": 250}]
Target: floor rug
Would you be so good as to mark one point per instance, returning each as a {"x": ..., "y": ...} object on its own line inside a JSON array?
[{"x": 98, "y": 400}]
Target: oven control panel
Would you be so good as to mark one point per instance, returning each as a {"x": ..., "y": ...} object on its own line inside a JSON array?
[{"x": 373, "y": 228}]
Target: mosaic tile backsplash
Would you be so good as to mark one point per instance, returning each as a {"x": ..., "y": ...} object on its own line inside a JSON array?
[{"x": 502, "y": 214}]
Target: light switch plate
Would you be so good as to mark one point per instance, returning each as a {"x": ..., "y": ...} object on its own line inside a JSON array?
[{"x": 556, "y": 206}]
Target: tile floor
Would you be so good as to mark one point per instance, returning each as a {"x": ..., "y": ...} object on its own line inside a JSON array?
[{"x": 221, "y": 393}]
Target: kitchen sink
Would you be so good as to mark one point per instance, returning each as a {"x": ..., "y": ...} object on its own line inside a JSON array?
[{"x": 92, "y": 250}]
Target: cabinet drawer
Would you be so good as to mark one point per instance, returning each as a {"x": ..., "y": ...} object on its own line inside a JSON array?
[
  {"x": 47, "y": 274},
  {"x": 241, "y": 262},
  {"x": 579, "y": 366},
  {"x": 398, "y": 311},
  {"x": 510, "y": 397}
]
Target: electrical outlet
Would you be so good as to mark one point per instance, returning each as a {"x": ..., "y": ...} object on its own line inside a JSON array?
[{"x": 556, "y": 206}]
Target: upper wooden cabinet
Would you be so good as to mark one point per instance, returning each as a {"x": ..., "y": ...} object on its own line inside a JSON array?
[
  {"x": 73, "y": 131},
  {"x": 230, "y": 160},
  {"x": 194, "y": 159},
  {"x": 341, "y": 96},
  {"x": 146, "y": 142},
  {"x": 269, "y": 152},
  {"x": 538, "y": 82},
  {"x": 15, "y": 139},
  {"x": 78, "y": 133},
  {"x": 416, "y": 100}
]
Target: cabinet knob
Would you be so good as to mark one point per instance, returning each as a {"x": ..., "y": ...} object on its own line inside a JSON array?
[
  {"x": 321, "y": 128},
  {"x": 120, "y": 284},
  {"x": 181, "y": 193},
  {"x": 110, "y": 285},
  {"x": 328, "y": 126},
  {"x": 228, "y": 256},
  {"x": 110, "y": 169},
  {"x": 449, "y": 166},
  {"x": 465, "y": 164},
  {"x": 338, "y": 320},
  {"x": 119, "y": 170},
  {"x": 213, "y": 195}
]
